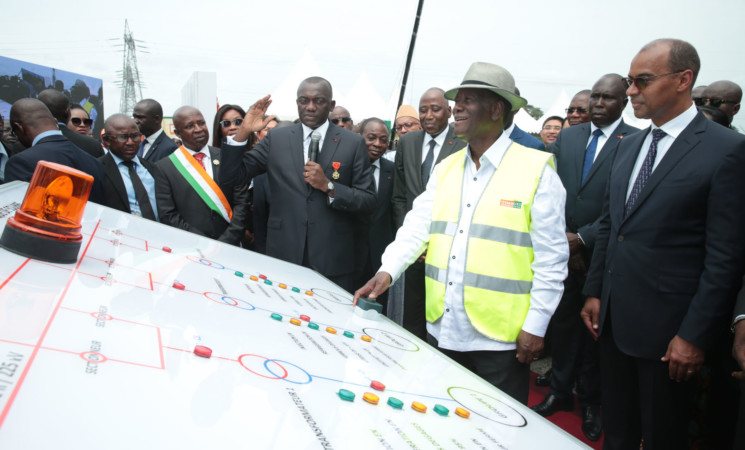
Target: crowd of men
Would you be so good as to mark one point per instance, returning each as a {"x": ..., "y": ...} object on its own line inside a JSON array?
[{"x": 624, "y": 246}]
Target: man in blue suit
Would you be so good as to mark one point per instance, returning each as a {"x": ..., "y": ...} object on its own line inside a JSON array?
[
  {"x": 669, "y": 253},
  {"x": 37, "y": 129},
  {"x": 584, "y": 155},
  {"x": 518, "y": 135}
]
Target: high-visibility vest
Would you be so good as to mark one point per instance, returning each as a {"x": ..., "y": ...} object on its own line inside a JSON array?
[{"x": 498, "y": 275}]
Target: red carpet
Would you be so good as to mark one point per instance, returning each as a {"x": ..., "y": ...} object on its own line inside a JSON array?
[{"x": 569, "y": 421}]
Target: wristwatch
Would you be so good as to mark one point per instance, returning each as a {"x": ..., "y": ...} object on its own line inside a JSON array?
[{"x": 330, "y": 187}]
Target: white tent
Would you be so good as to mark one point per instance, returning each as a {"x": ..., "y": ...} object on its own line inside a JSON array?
[{"x": 526, "y": 123}]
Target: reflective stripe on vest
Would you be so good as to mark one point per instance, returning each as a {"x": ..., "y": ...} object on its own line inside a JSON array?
[{"x": 498, "y": 276}]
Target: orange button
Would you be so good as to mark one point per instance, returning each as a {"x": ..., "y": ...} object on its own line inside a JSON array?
[
  {"x": 254, "y": 278},
  {"x": 331, "y": 330},
  {"x": 369, "y": 397},
  {"x": 463, "y": 413},
  {"x": 309, "y": 293},
  {"x": 366, "y": 338},
  {"x": 282, "y": 285},
  {"x": 416, "y": 406},
  {"x": 295, "y": 321}
]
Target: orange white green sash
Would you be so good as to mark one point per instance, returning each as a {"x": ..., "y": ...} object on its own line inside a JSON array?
[{"x": 201, "y": 182}]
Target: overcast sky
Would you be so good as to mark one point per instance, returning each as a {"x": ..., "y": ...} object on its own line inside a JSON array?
[{"x": 252, "y": 46}]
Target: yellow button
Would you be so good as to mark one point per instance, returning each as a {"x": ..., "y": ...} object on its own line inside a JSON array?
[
  {"x": 416, "y": 406},
  {"x": 369, "y": 397},
  {"x": 331, "y": 330},
  {"x": 309, "y": 293},
  {"x": 253, "y": 278},
  {"x": 463, "y": 413},
  {"x": 366, "y": 338},
  {"x": 295, "y": 321},
  {"x": 282, "y": 286}
]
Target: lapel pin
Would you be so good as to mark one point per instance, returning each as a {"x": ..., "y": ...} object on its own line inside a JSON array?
[
  {"x": 216, "y": 162},
  {"x": 336, "y": 166},
  {"x": 335, "y": 140}
]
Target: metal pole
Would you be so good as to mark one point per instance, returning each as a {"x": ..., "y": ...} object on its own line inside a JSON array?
[{"x": 409, "y": 56}]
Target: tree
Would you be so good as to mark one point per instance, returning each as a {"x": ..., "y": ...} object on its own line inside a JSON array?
[{"x": 534, "y": 111}]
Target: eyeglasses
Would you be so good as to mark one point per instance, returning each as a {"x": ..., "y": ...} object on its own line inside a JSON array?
[
  {"x": 342, "y": 119},
  {"x": 579, "y": 110},
  {"x": 124, "y": 137},
  {"x": 715, "y": 102},
  {"x": 642, "y": 82},
  {"x": 406, "y": 125},
  {"x": 77, "y": 121},
  {"x": 552, "y": 128},
  {"x": 226, "y": 123}
]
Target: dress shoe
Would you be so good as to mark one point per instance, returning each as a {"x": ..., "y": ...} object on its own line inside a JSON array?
[
  {"x": 543, "y": 380},
  {"x": 552, "y": 403},
  {"x": 592, "y": 423}
]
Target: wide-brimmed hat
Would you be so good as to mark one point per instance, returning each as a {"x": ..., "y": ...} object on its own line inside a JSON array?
[{"x": 492, "y": 77}]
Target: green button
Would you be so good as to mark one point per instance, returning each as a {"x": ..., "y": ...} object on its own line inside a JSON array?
[
  {"x": 239, "y": 274},
  {"x": 349, "y": 334},
  {"x": 395, "y": 403},
  {"x": 346, "y": 395},
  {"x": 441, "y": 410},
  {"x": 268, "y": 282},
  {"x": 313, "y": 325},
  {"x": 295, "y": 289},
  {"x": 276, "y": 316}
]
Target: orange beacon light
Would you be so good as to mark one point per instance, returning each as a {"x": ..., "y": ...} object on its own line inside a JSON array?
[{"x": 47, "y": 226}]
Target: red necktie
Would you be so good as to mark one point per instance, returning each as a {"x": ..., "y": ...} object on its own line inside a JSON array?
[{"x": 199, "y": 157}]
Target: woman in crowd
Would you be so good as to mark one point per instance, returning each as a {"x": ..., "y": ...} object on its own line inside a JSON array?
[{"x": 80, "y": 121}]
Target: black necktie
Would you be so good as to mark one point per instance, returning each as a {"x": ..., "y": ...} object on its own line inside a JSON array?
[
  {"x": 427, "y": 165},
  {"x": 140, "y": 192},
  {"x": 646, "y": 169}
]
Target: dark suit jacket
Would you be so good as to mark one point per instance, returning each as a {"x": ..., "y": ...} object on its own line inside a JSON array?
[
  {"x": 584, "y": 203},
  {"x": 299, "y": 213},
  {"x": 180, "y": 206},
  {"x": 407, "y": 181},
  {"x": 57, "y": 149},
  {"x": 86, "y": 143},
  {"x": 261, "y": 205},
  {"x": 381, "y": 230},
  {"x": 523, "y": 138},
  {"x": 116, "y": 193},
  {"x": 162, "y": 147},
  {"x": 673, "y": 265}
]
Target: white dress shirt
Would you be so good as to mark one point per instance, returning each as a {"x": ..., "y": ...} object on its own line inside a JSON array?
[
  {"x": 672, "y": 128},
  {"x": 551, "y": 251},
  {"x": 147, "y": 180},
  {"x": 603, "y": 138},
  {"x": 306, "y": 138},
  {"x": 206, "y": 161},
  {"x": 439, "y": 141},
  {"x": 375, "y": 166},
  {"x": 150, "y": 139}
]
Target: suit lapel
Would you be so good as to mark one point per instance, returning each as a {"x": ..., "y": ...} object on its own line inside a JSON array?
[
  {"x": 684, "y": 143},
  {"x": 112, "y": 171},
  {"x": 608, "y": 149},
  {"x": 296, "y": 150},
  {"x": 215, "y": 158},
  {"x": 330, "y": 144},
  {"x": 415, "y": 158},
  {"x": 579, "y": 157}
]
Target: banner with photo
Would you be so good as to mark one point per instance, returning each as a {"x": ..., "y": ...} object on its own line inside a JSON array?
[{"x": 22, "y": 79}]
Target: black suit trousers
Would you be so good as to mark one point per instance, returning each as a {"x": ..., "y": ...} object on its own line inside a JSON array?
[
  {"x": 640, "y": 399},
  {"x": 415, "y": 320},
  {"x": 574, "y": 351}
]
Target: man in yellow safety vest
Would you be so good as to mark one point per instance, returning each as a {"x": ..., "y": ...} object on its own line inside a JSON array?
[{"x": 492, "y": 222}]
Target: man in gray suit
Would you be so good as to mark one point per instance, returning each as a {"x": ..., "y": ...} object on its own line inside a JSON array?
[
  {"x": 584, "y": 155},
  {"x": 418, "y": 153},
  {"x": 312, "y": 221}
]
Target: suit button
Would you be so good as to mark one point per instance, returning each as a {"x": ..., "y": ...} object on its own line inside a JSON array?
[
  {"x": 447, "y": 310},
  {"x": 620, "y": 238},
  {"x": 610, "y": 272},
  {"x": 579, "y": 197}
]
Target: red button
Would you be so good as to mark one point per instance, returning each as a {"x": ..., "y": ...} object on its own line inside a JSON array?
[
  {"x": 305, "y": 318},
  {"x": 201, "y": 350},
  {"x": 177, "y": 285},
  {"x": 263, "y": 277},
  {"x": 377, "y": 385},
  {"x": 167, "y": 249}
]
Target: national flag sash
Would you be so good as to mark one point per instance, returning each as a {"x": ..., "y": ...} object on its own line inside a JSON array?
[{"x": 201, "y": 182}]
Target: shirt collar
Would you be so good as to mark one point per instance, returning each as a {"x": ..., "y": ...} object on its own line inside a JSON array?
[
  {"x": 45, "y": 134},
  {"x": 508, "y": 131},
  {"x": 676, "y": 126},
  {"x": 376, "y": 163},
  {"x": 440, "y": 138},
  {"x": 608, "y": 129},
  {"x": 204, "y": 150},
  {"x": 323, "y": 128},
  {"x": 154, "y": 136},
  {"x": 119, "y": 160},
  {"x": 495, "y": 153}
]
